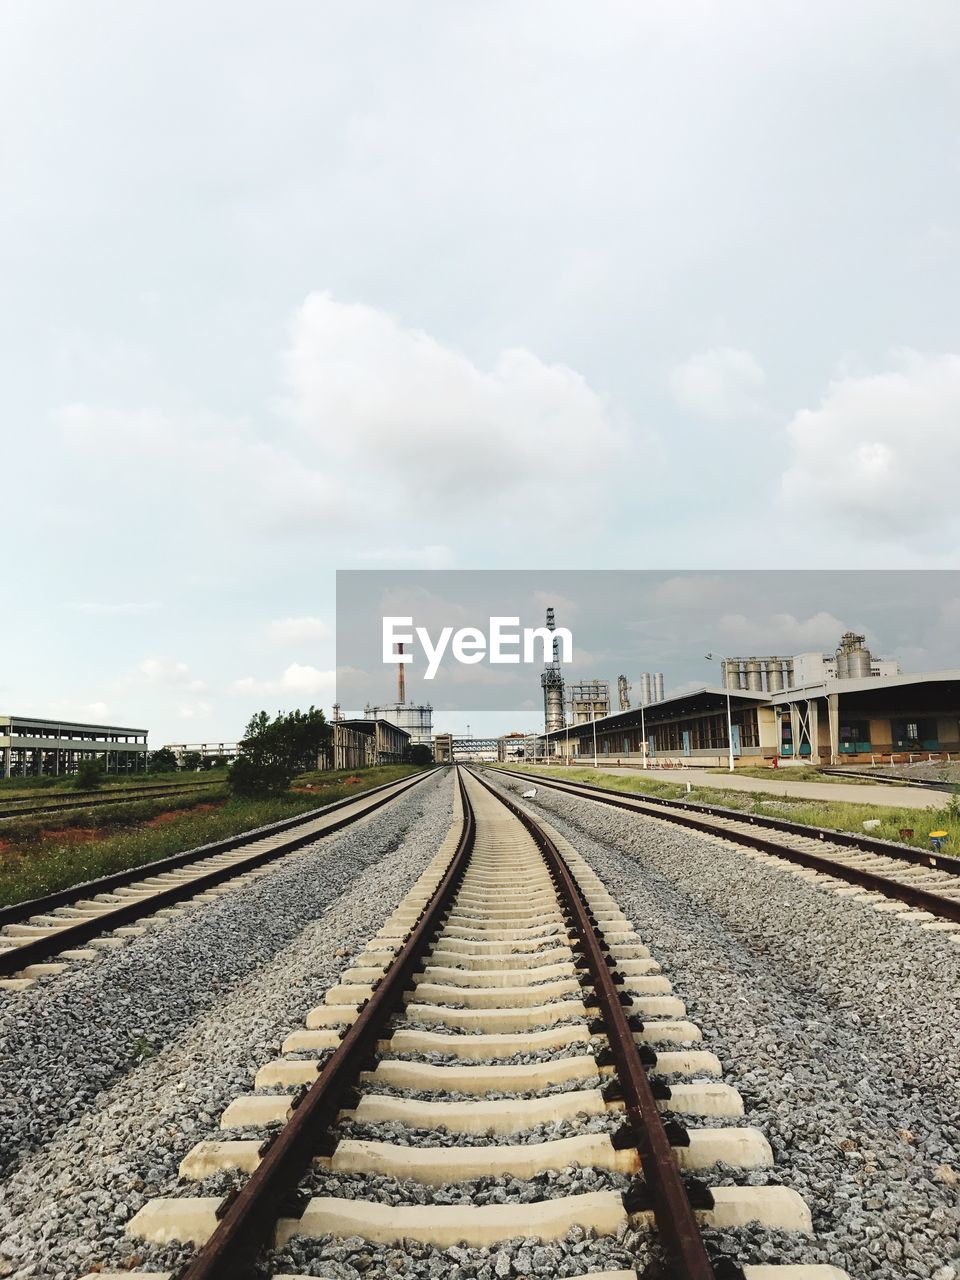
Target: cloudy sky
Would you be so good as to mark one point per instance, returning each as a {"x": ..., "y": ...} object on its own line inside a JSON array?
[{"x": 295, "y": 287}]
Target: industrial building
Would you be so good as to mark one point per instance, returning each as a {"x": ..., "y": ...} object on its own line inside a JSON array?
[
  {"x": 30, "y": 746},
  {"x": 443, "y": 748},
  {"x": 368, "y": 741},
  {"x": 826, "y": 708},
  {"x": 209, "y": 752},
  {"x": 415, "y": 719}
]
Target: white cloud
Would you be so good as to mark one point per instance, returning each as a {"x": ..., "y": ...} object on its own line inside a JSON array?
[
  {"x": 403, "y": 415},
  {"x": 160, "y": 673},
  {"x": 720, "y": 384},
  {"x": 879, "y": 452},
  {"x": 288, "y": 631},
  {"x": 780, "y": 633},
  {"x": 194, "y": 711},
  {"x": 297, "y": 680}
]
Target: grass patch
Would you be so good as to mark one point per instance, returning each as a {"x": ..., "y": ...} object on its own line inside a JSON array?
[
  {"x": 13, "y": 789},
  {"x": 350, "y": 780},
  {"x": 42, "y": 861},
  {"x": 834, "y": 815},
  {"x": 18, "y": 831},
  {"x": 795, "y": 773}
]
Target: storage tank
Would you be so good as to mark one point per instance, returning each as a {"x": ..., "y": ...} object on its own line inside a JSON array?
[
  {"x": 774, "y": 676},
  {"x": 754, "y": 678},
  {"x": 788, "y": 669},
  {"x": 645, "y": 693},
  {"x": 732, "y": 675},
  {"x": 553, "y": 707},
  {"x": 658, "y": 686},
  {"x": 854, "y": 659}
]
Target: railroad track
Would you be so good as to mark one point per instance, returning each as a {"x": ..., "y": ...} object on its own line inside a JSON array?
[
  {"x": 892, "y": 779},
  {"x": 507, "y": 991},
  {"x": 892, "y": 877},
  {"x": 42, "y": 937},
  {"x": 86, "y": 801}
]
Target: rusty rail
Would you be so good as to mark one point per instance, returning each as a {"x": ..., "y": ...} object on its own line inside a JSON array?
[
  {"x": 39, "y": 949},
  {"x": 685, "y": 816},
  {"x": 672, "y": 1209},
  {"x": 249, "y": 1220}
]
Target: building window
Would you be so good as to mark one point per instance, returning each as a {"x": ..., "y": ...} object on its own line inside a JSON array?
[{"x": 855, "y": 736}]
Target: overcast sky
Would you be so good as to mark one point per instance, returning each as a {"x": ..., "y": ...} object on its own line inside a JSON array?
[{"x": 294, "y": 287}]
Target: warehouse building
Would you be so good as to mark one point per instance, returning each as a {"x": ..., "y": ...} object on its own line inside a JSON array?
[
  {"x": 357, "y": 743},
  {"x": 826, "y": 708},
  {"x": 31, "y": 747}
]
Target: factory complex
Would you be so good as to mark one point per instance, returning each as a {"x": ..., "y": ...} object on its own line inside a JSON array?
[{"x": 848, "y": 706}]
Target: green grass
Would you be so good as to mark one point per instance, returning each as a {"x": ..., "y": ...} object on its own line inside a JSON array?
[
  {"x": 13, "y": 789},
  {"x": 354, "y": 779},
  {"x": 30, "y": 828},
  {"x": 795, "y": 773},
  {"x": 834, "y": 815},
  {"x": 35, "y": 865}
]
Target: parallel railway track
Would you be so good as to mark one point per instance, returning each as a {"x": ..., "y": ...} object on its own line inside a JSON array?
[
  {"x": 86, "y": 800},
  {"x": 886, "y": 873},
  {"x": 42, "y": 937},
  {"x": 507, "y": 946}
]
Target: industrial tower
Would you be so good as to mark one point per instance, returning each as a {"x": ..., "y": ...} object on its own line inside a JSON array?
[{"x": 552, "y": 682}]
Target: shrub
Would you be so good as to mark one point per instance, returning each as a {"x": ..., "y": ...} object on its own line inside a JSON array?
[{"x": 89, "y": 774}]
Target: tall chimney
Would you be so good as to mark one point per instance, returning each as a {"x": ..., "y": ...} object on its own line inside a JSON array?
[{"x": 401, "y": 691}]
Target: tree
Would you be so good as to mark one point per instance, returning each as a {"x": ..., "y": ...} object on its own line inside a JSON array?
[
  {"x": 418, "y": 753},
  {"x": 273, "y": 752},
  {"x": 162, "y": 761},
  {"x": 192, "y": 760},
  {"x": 90, "y": 773}
]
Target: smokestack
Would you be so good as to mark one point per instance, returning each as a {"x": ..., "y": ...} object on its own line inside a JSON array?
[{"x": 401, "y": 691}]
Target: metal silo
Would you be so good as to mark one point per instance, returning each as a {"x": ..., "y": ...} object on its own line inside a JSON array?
[
  {"x": 774, "y": 676},
  {"x": 658, "y": 686},
  {"x": 732, "y": 677},
  {"x": 854, "y": 659},
  {"x": 645, "y": 691},
  {"x": 754, "y": 678}
]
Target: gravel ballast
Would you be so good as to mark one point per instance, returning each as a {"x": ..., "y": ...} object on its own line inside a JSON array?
[
  {"x": 209, "y": 998},
  {"x": 839, "y": 1025}
]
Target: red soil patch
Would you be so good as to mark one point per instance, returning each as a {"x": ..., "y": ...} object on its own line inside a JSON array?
[
  {"x": 72, "y": 835},
  {"x": 168, "y": 815}
]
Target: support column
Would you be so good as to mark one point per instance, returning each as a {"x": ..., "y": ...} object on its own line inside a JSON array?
[
  {"x": 795, "y": 728},
  {"x": 833, "y": 717},
  {"x": 7, "y": 761},
  {"x": 813, "y": 726}
]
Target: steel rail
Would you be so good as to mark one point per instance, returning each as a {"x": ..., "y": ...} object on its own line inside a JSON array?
[
  {"x": 849, "y": 840},
  {"x": 42, "y": 948},
  {"x": 921, "y": 899},
  {"x": 249, "y": 1219},
  {"x": 672, "y": 1209},
  {"x": 892, "y": 781},
  {"x": 16, "y": 912},
  {"x": 85, "y": 802}
]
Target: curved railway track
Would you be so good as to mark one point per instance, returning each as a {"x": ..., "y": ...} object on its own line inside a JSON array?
[
  {"x": 42, "y": 937},
  {"x": 505, "y": 991},
  {"x": 887, "y": 874},
  {"x": 90, "y": 800}
]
